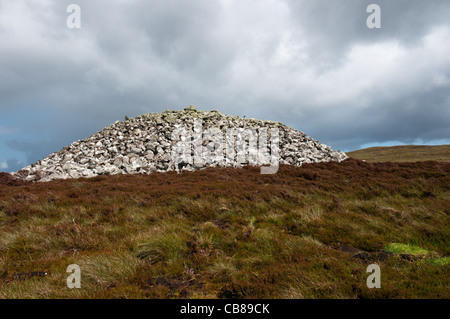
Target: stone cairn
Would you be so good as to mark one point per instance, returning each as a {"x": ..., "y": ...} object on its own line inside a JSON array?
[{"x": 144, "y": 145}]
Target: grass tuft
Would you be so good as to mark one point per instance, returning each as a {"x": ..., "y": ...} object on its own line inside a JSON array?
[{"x": 397, "y": 248}]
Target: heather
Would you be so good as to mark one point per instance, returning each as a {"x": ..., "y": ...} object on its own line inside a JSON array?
[{"x": 305, "y": 232}]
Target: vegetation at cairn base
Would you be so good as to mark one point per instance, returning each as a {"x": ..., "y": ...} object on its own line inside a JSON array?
[
  {"x": 403, "y": 153},
  {"x": 305, "y": 232}
]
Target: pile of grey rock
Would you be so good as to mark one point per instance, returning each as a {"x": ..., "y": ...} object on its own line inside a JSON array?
[{"x": 144, "y": 145}]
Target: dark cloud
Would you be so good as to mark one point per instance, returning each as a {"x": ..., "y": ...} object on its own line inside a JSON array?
[
  {"x": 32, "y": 150},
  {"x": 332, "y": 27},
  {"x": 312, "y": 64},
  {"x": 11, "y": 165}
]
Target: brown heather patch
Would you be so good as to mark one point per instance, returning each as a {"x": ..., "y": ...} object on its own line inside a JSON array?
[
  {"x": 403, "y": 153},
  {"x": 305, "y": 232}
]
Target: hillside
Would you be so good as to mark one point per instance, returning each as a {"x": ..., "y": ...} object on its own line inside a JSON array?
[
  {"x": 305, "y": 232},
  {"x": 403, "y": 153}
]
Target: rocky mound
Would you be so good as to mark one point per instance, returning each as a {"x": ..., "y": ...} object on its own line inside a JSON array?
[{"x": 145, "y": 144}]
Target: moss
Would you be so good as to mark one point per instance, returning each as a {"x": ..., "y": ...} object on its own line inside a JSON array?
[
  {"x": 397, "y": 248},
  {"x": 170, "y": 118},
  {"x": 191, "y": 108},
  {"x": 441, "y": 261}
]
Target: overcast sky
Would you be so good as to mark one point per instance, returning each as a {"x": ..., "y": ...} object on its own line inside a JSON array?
[{"x": 314, "y": 65}]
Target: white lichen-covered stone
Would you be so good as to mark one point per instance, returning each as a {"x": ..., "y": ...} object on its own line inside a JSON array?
[{"x": 144, "y": 145}]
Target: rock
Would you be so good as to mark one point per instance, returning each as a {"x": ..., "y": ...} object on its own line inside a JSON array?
[
  {"x": 144, "y": 145},
  {"x": 118, "y": 161},
  {"x": 22, "y": 174},
  {"x": 136, "y": 150},
  {"x": 136, "y": 163}
]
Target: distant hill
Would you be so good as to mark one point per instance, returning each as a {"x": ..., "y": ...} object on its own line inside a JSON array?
[{"x": 404, "y": 153}]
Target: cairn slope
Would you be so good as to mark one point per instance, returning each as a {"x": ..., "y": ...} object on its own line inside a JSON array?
[{"x": 143, "y": 145}]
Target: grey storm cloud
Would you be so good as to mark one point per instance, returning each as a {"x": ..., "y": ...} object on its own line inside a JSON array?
[
  {"x": 311, "y": 64},
  {"x": 334, "y": 26}
]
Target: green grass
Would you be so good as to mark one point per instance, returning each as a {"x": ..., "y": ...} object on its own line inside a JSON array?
[
  {"x": 403, "y": 153},
  {"x": 397, "y": 248},
  {"x": 443, "y": 261}
]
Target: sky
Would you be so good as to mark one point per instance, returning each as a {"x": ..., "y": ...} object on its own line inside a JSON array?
[{"x": 311, "y": 64}]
